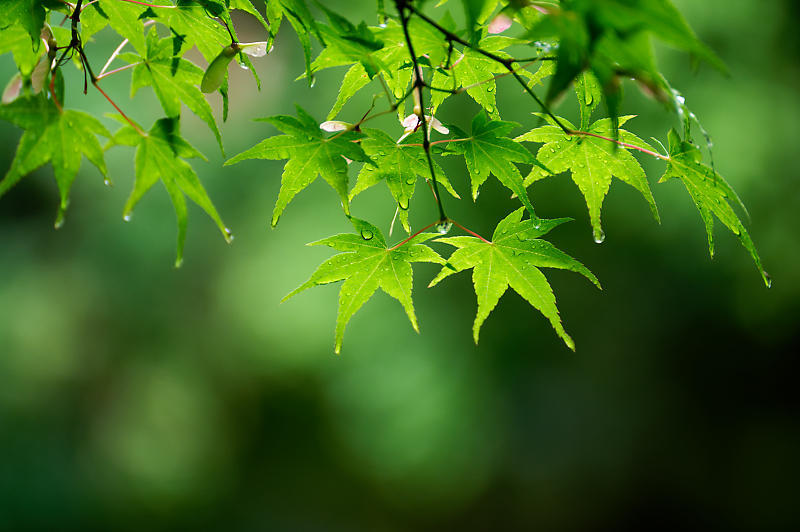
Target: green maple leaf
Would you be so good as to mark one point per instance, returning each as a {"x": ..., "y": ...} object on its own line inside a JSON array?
[
  {"x": 310, "y": 154},
  {"x": 398, "y": 165},
  {"x": 488, "y": 150},
  {"x": 173, "y": 79},
  {"x": 365, "y": 265},
  {"x": 60, "y": 138},
  {"x": 711, "y": 194},
  {"x": 513, "y": 259},
  {"x": 612, "y": 39},
  {"x": 160, "y": 155},
  {"x": 16, "y": 40},
  {"x": 125, "y": 19},
  {"x": 28, "y": 14},
  {"x": 474, "y": 71},
  {"x": 301, "y": 20},
  {"x": 591, "y": 161}
]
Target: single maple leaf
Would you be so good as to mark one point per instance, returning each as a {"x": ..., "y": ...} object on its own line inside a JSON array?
[
  {"x": 365, "y": 265},
  {"x": 512, "y": 259}
]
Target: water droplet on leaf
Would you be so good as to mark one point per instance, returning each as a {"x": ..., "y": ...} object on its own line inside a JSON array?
[
  {"x": 411, "y": 180},
  {"x": 443, "y": 228},
  {"x": 366, "y": 234},
  {"x": 767, "y": 278},
  {"x": 599, "y": 236}
]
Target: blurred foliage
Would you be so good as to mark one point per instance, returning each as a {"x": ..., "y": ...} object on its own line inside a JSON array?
[{"x": 135, "y": 396}]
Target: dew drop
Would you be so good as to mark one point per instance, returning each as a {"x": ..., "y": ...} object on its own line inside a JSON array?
[
  {"x": 107, "y": 182},
  {"x": 767, "y": 278},
  {"x": 520, "y": 237},
  {"x": 489, "y": 89},
  {"x": 126, "y": 217},
  {"x": 599, "y": 236},
  {"x": 443, "y": 228},
  {"x": 589, "y": 98},
  {"x": 366, "y": 234},
  {"x": 411, "y": 180},
  {"x": 489, "y": 109},
  {"x": 243, "y": 65},
  {"x": 403, "y": 204},
  {"x": 228, "y": 235},
  {"x": 313, "y": 81}
]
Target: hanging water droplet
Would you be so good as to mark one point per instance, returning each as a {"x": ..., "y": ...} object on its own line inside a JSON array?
[
  {"x": 228, "y": 235},
  {"x": 243, "y": 65},
  {"x": 313, "y": 81},
  {"x": 599, "y": 236},
  {"x": 403, "y": 204},
  {"x": 179, "y": 262},
  {"x": 107, "y": 182},
  {"x": 126, "y": 217},
  {"x": 366, "y": 234},
  {"x": 443, "y": 228},
  {"x": 768, "y": 279}
]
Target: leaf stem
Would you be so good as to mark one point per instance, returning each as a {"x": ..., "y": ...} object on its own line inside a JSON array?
[
  {"x": 406, "y": 240},
  {"x": 450, "y": 220},
  {"x": 148, "y": 5},
  {"x": 120, "y": 69},
  {"x": 118, "y": 49},
  {"x": 619, "y": 143},
  {"x": 473, "y": 233}
]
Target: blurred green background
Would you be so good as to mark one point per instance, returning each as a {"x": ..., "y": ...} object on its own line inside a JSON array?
[{"x": 136, "y": 396}]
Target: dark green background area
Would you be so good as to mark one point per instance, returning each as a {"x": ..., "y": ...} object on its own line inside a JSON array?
[{"x": 135, "y": 396}]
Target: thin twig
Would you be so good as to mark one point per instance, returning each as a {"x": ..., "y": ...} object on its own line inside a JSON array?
[
  {"x": 402, "y": 6},
  {"x": 506, "y": 62}
]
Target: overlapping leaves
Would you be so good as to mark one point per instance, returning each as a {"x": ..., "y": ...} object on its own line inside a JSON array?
[{"x": 594, "y": 45}]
